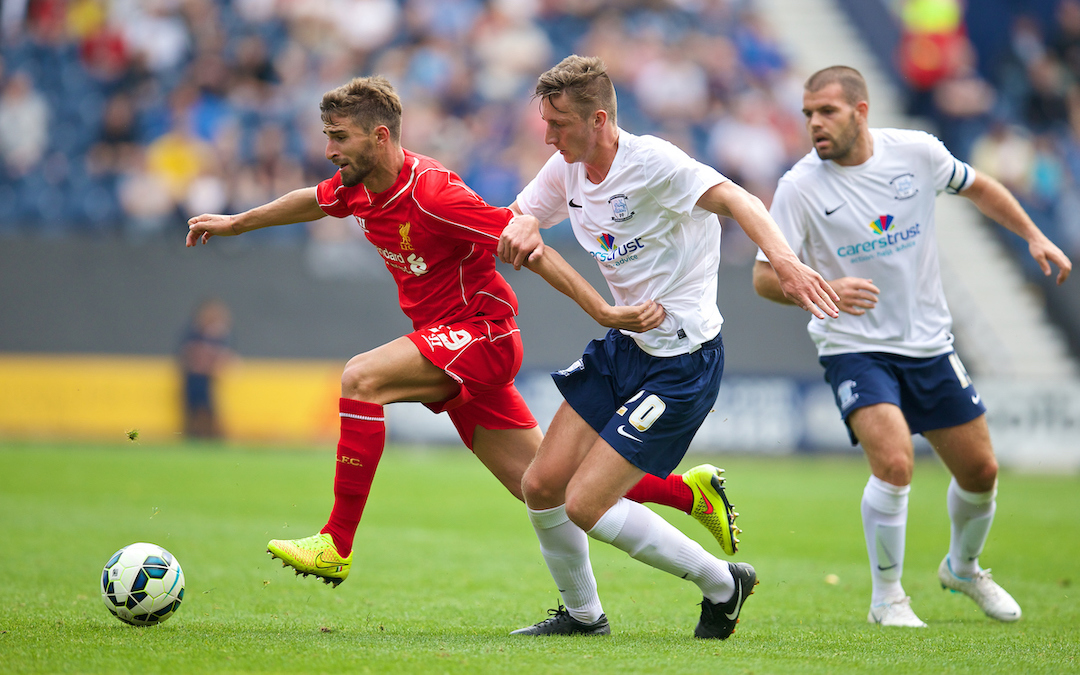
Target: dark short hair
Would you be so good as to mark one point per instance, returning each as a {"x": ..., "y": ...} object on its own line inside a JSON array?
[
  {"x": 367, "y": 101},
  {"x": 585, "y": 82},
  {"x": 851, "y": 82}
]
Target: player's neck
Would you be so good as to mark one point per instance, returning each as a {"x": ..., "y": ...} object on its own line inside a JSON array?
[
  {"x": 383, "y": 176},
  {"x": 598, "y": 166}
]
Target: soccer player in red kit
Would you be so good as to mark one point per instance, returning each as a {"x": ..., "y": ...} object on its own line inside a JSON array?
[{"x": 438, "y": 238}]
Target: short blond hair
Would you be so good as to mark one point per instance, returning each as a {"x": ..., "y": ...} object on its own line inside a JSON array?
[{"x": 585, "y": 82}]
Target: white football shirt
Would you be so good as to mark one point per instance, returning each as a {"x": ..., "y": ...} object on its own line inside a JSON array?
[
  {"x": 646, "y": 232},
  {"x": 876, "y": 221}
]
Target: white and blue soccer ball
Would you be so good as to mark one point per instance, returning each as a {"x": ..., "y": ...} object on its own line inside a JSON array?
[{"x": 142, "y": 584}]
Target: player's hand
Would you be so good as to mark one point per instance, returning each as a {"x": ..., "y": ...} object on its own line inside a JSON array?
[
  {"x": 805, "y": 287},
  {"x": 856, "y": 294},
  {"x": 634, "y": 318},
  {"x": 201, "y": 228},
  {"x": 520, "y": 241},
  {"x": 1045, "y": 252}
]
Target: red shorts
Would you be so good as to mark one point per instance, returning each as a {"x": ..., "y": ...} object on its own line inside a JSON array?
[{"x": 484, "y": 356}]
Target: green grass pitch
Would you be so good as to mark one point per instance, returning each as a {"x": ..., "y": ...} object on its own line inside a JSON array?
[{"x": 447, "y": 564}]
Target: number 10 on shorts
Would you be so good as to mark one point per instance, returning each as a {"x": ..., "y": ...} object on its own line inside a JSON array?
[{"x": 646, "y": 413}]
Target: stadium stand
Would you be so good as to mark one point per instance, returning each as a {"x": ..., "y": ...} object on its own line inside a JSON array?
[{"x": 122, "y": 117}]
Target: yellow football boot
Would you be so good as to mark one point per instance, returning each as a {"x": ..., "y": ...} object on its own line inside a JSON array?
[
  {"x": 711, "y": 506},
  {"x": 312, "y": 555}
]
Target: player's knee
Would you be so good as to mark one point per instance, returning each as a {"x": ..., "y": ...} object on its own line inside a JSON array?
[
  {"x": 980, "y": 476},
  {"x": 541, "y": 489},
  {"x": 534, "y": 489},
  {"x": 357, "y": 380},
  {"x": 896, "y": 469}
]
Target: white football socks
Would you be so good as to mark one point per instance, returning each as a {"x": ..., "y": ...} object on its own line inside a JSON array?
[
  {"x": 645, "y": 536},
  {"x": 971, "y": 514},
  {"x": 565, "y": 548},
  {"x": 884, "y": 516}
]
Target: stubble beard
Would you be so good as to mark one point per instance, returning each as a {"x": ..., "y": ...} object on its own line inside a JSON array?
[
  {"x": 355, "y": 175},
  {"x": 844, "y": 143}
]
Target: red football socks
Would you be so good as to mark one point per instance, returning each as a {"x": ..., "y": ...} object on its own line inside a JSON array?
[
  {"x": 670, "y": 491},
  {"x": 363, "y": 437}
]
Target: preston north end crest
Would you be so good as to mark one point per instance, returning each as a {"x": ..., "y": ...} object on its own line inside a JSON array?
[
  {"x": 904, "y": 184},
  {"x": 620, "y": 208}
]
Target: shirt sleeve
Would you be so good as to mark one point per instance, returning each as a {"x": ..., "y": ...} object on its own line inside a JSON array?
[
  {"x": 789, "y": 216},
  {"x": 450, "y": 203},
  {"x": 950, "y": 174},
  {"x": 331, "y": 197},
  {"x": 545, "y": 195},
  {"x": 678, "y": 181}
]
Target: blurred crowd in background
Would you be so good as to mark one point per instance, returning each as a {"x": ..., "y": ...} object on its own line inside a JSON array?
[
  {"x": 124, "y": 117},
  {"x": 1011, "y": 108},
  {"x": 127, "y": 116}
]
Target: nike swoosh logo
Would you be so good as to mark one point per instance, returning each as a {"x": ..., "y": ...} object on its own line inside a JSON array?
[
  {"x": 829, "y": 212},
  {"x": 707, "y": 503},
  {"x": 573, "y": 205},
  {"x": 628, "y": 435},
  {"x": 885, "y": 569},
  {"x": 321, "y": 564},
  {"x": 738, "y": 605},
  {"x": 976, "y": 398}
]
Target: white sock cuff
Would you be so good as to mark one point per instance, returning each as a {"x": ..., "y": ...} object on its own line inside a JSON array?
[
  {"x": 611, "y": 523},
  {"x": 886, "y": 497},
  {"x": 545, "y": 519},
  {"x": 973, "y": 498}
]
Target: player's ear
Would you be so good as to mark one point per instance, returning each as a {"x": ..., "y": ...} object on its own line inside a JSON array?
[{"x": 600, "y": 118}]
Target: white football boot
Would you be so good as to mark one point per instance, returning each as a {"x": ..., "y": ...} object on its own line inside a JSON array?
[
  {"x": 895, "y": 613},
  {"x": 987, "y": 594}
]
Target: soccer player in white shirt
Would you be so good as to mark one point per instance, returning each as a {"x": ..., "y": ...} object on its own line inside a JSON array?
[
  {"x": 633, "y": 401},
  {"x": 860, "y": 209}
]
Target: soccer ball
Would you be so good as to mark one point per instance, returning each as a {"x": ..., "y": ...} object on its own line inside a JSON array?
[{"x": 142, "y": 584}]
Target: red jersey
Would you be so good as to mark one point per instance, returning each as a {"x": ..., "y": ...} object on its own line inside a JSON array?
[{"x": 436, "y": 236}]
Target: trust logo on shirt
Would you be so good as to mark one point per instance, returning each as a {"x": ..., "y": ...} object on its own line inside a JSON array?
[
  {"x": 891, "y": 239},
  {"x": 613, "y": 254},
  {"x": 882, "y": 224}
]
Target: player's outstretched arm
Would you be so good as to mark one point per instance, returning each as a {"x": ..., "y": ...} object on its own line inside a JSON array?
[
  {"x": 565, "y": 279},
  {"x": 803, "y": 286},
  {"x": 520, "y": 240},
  {"x": 298, "y": 206},
  {"x": 997, "y": 203}
]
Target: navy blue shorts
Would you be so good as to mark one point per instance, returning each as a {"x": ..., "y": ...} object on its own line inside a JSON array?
[
  {"x": 646, "y": 407},
  {"x": 933, "y": 393}
]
